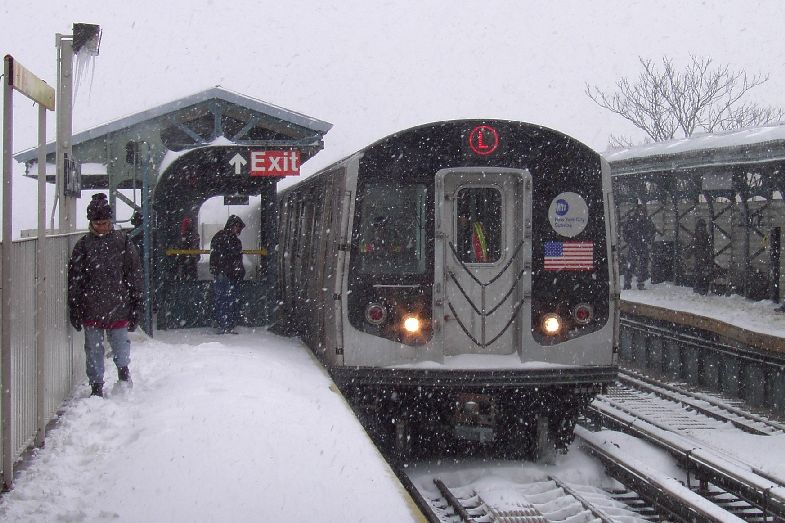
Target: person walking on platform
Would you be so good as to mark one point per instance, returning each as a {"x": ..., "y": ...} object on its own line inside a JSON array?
[
  {"x": 226, "y": 266},
  {"x": 639, "y": 233},
  {"x": 704, "y": 262},
  {"x": 105, "y": 292}
]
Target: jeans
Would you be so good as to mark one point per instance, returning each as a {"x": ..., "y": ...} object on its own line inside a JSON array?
[
  {"x": 94, "y": 351},
  {"x": 225, "y": 295},
  {"x": 637, "y": 265}
]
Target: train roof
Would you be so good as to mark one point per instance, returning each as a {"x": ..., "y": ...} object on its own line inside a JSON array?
[{"x": 415, "y": 128}]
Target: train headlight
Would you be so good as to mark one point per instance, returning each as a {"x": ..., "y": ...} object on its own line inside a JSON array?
[
  {"x": 583, "y": 313},
  {"x": 551, "y": 324},
  {"x": 375, "y": 314},
  {"x": 411, "y": 324}
]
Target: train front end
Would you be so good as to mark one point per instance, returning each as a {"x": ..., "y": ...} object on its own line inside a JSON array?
[{"x": 480, "y": 296}]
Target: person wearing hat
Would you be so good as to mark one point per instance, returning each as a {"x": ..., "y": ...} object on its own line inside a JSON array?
[
  {"x": 226, "y": 266},
  {"x": 187, "y": 264},
  {"x": 105, "y": 292}
]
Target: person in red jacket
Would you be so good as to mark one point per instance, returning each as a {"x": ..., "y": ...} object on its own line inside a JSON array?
[{"x": 105, "y": 290}]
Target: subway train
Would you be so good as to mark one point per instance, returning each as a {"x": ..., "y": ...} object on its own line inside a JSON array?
[{"x": 458, "y": 280}]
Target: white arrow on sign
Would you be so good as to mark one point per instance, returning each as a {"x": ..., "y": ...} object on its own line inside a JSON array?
[{"x": 238, "y": 162}]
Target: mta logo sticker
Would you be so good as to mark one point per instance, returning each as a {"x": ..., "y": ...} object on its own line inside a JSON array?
[{"x": 568, "y": 214}]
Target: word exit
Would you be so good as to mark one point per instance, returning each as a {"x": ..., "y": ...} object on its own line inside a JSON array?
[{"x": 268, "y": 163}]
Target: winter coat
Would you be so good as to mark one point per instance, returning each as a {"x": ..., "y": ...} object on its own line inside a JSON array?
[
  {"x": 105, "y": 283},
  {"x": 187, "y": 264},
  {"x": 639, "y": 231},
  {"x": 702, "y": 248},
  {"x": 226, "y": 255}
]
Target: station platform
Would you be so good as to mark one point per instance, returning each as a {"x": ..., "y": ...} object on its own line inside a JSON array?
[
  {"x": 757, "y": 325},
  {"x": 726, "y": 345},
  {"x": 216, "y": 428}
]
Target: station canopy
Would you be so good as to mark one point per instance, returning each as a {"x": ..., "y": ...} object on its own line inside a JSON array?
[{"x": 111, "y": 156}]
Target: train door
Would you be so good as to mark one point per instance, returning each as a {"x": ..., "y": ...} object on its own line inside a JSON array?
[{"x": 483, "y": 247}]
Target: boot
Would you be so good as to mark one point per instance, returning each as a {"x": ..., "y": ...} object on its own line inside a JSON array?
[
  {"x": 97, "y": 389},
  {"x": 123, "y": 374}
]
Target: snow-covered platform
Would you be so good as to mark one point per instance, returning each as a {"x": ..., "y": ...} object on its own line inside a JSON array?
[
  {"x": 755, "y": 324},
  {"x": 216, "y": 428}
]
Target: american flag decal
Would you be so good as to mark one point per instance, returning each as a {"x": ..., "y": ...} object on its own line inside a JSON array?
[{"x": 569, "y": 256}]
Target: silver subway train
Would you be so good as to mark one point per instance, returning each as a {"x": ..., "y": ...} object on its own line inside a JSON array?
[{"x": 458, "y": 280}]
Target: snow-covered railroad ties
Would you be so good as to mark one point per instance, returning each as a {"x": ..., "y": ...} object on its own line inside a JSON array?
[
  {"x": 632, "y": 496},
  {"x": 677, "y": 421},
  {"x": 552, "y": 500},
  {"x": 547, "y": 500}
]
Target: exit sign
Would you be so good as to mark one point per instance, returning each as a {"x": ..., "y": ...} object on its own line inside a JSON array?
[{"x": 275, "y": 163}]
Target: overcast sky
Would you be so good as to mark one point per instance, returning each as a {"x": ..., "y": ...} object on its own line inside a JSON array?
[{"x": 372, "y": 68}]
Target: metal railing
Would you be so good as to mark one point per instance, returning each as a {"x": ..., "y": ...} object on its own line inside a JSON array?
[{"x": 34, "y": 401}]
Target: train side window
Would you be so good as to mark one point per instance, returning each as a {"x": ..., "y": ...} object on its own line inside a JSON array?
[{"x": 478, "y": 228}]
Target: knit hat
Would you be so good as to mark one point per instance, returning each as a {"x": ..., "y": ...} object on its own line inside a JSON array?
[
  {"x": 185, "y": 225},
  {"x": 99, "y": 208}
]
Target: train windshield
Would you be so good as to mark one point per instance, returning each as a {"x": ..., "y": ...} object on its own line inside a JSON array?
[{"x": 391, "y": 232}]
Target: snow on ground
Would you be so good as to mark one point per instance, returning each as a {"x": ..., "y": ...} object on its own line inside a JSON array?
[
  {"x": 248, "y": 428},
  {"x": 216, "y": 428},
  {"x": 761, "y": 316}
]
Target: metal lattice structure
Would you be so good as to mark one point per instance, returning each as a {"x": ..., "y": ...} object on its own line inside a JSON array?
[{"x": 733, "y": 181}]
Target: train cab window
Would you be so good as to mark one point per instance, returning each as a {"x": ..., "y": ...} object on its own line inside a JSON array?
[
  {"x": 478, "y": 225},
  {"x": 391, "y": 233}
]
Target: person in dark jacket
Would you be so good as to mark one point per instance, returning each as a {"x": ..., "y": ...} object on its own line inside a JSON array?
[
  {"x": 639, "y": 233},
  {"x": 226, "y": 266},
  {"x": 187, "y": 264},
  {"x": 105, "y": 292},
  {"x": 704, "y": 261}
]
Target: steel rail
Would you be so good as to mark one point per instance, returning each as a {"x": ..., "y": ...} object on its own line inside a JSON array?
[
  {"x": 758, "y": 490},
  {"x": 454, "y": 502},
  {"x": 588, "y": 505},
  {"x": 660, "y": 494},
  {"x": 693, "y": 401}
]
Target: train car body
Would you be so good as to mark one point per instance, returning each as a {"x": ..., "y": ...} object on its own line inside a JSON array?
[{"x": 459, "y": 279}]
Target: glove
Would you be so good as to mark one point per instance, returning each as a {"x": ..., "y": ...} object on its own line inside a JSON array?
[
  {"x": 137, "y": 313},
  {"x": 76, "y": 318}
]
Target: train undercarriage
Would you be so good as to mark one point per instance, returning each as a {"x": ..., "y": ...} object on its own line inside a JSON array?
[{"x": 501, "y": 414}]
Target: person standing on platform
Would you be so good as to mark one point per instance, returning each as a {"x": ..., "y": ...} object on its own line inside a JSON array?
[
  {"x": 639, "y": 233},
  {"x": 226, "y": 266},
  {"x": 190, "y": 241},
  {"x": 704, "y": 261},
  {"x": 105, "y": 293}
]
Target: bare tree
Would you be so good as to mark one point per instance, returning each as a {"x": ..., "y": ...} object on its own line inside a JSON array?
[{"x": 666, "y": 102}]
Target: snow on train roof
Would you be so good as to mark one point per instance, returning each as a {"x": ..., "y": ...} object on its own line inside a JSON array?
[{"x": 752, "y": 135}]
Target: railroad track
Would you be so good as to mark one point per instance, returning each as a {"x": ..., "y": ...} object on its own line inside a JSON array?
[
  {"x": 709, "y": 405},
  {"x": 719, "y": 488},
  {"x": 668, "y": 417},
  {"x": 640, "y": 494},
  {"x": 550, "y": 500}
]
